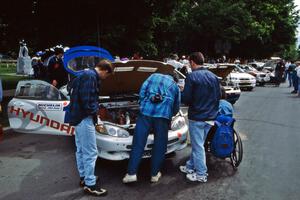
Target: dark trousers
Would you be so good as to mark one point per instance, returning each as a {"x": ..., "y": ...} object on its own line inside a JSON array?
[
  {"x": 144, "y": 125},
  {"x": 289, "y": 77},
  {"x": 295, "y": 81}
]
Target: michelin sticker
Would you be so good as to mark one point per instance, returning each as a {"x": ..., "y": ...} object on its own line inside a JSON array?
[{"x": 49, "y": 106}]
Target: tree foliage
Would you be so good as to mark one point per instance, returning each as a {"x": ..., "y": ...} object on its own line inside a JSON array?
[{"x": 244, "y": 28}]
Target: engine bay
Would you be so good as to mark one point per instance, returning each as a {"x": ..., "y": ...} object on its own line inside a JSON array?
[{"x": 120, "y": 113}]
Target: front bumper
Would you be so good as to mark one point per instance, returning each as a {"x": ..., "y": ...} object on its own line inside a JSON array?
[
  {"x": 113, "y": 148},
  {"x": 246, "y": 84}
]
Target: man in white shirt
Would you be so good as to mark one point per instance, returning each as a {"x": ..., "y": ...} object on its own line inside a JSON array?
[
  {"x": 173, "y": 61},
  {"x": 298, "y": 75}
]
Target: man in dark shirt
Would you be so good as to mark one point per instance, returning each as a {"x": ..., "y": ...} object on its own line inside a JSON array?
[
  {"x": 293, "y": 73},
  {"x": 202, "y": 94},
  {"x": 56, "y": 72},
  {"x": 82, "y": 113},
  {"x": 279, "y": 69}
]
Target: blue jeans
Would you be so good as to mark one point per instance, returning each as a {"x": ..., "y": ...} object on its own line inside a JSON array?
[
  {"x": 295, "y": 81},
  {"x": 289, "y": 77},
  {"x": 298, "y": 85},
  {"x": 198, "y": 133},
  {"x": 144, "y": 125},
  {"x": 87, "y": 152}
]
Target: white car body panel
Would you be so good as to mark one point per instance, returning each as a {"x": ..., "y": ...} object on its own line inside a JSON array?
[
  {"x": 39, "y": 117},
  {"x": 243, "y": 80}
]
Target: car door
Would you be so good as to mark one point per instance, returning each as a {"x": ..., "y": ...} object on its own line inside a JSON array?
[{"x": 38, "y": 107}]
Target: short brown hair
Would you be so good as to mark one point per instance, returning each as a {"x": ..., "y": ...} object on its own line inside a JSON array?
[
  {"x": 197, "y": 57},
  {"x": 105, "y": 65}
]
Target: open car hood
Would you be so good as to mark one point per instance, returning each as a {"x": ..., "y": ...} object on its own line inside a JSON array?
[
  {"x": 129, "y": 76},
  {"x": 222, "y": 70}
]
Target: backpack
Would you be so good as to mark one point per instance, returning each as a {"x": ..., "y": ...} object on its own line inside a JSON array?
[{"x": 222, "y": 144}]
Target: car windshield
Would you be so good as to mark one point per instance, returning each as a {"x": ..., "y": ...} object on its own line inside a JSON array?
[
  {"x": 238, "y": 69},
  {"x": 37, "y": 90}
]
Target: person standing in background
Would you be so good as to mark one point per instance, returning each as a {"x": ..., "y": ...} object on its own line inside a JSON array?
[
  {"x": 298, "y": 76},
  {"x": 286, "y": 72},
  {"x": 56, "y": 71},
  {"x": 293, "y": 73},
  {"x": 174, "y": 62}
]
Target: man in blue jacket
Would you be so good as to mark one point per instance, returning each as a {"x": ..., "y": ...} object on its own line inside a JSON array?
[
  {"x": 202, "y": 94},
  {"x": 159, "y": 102},
  {"x": 83, "y": 110}
]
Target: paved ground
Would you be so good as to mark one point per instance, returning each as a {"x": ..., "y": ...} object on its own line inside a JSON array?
[{"x": 43, "y": 167}]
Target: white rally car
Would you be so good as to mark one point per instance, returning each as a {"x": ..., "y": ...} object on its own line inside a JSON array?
[
  {"x": 38, "y": 107},
  {"x": 240, "y": 78}
]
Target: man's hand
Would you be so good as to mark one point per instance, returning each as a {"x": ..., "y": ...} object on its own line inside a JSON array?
[
  {"x": 54, "y": 83},
  {"x": 180, "y": 88}
]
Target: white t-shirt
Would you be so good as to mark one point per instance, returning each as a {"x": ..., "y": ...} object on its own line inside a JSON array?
[
  {"x": 177, "y": 65},
  {"x": 298, "y": 71},
  {"x": 287, "y": 65}
]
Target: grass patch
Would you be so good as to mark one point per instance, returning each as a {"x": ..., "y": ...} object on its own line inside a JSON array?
[
  {"x": 7, "y": 68},
  {"x": 8, "y": 76},
  {"x": 10, "y": 82}
]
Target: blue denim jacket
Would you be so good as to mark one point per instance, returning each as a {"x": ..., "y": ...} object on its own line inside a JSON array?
[
  {"x": 166, "y": 87},
  {"x": 202, "y": 94}
]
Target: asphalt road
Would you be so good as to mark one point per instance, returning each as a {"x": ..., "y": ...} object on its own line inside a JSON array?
[{"x": 43, "y": 167}]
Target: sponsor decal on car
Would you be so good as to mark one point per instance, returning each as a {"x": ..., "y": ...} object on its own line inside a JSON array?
[
  {"x": 49, "y": 106},
  {"x": 44, "y": 121}
]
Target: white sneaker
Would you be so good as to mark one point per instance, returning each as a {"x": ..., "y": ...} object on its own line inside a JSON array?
[
  {"x": 185, "y": 170},
  {"x": 129, "y": 178},
  {"x": 155, "y": 179},
  {"x": 194, "y": 177}
]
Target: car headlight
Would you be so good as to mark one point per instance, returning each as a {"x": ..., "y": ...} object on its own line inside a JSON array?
[
  {"x": 177, "y": 123},
  {"x": 111, "y": 130},
  {"x": 234, "y": 79}
]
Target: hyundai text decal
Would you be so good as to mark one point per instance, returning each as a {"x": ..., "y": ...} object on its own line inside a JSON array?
[{"x": 43, "y": 120}]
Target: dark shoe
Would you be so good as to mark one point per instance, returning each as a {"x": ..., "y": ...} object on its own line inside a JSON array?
[
  {"x": 82, "y": 183},
  {"x": 95, "y": 190},
  {"x": 294, "y": 92}
]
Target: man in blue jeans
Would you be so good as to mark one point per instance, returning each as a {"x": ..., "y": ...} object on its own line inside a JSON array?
[
  {"x": 82, "y": 114},
  {"x": 159, "y": 102},
  {"x": 202, "y": 94}
]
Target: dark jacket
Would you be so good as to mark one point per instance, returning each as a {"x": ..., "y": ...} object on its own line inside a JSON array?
[
  {"x": 56, "y": 71},
  {"x": 84, "y": 97},
  {"x": 202, "y": 94}
]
